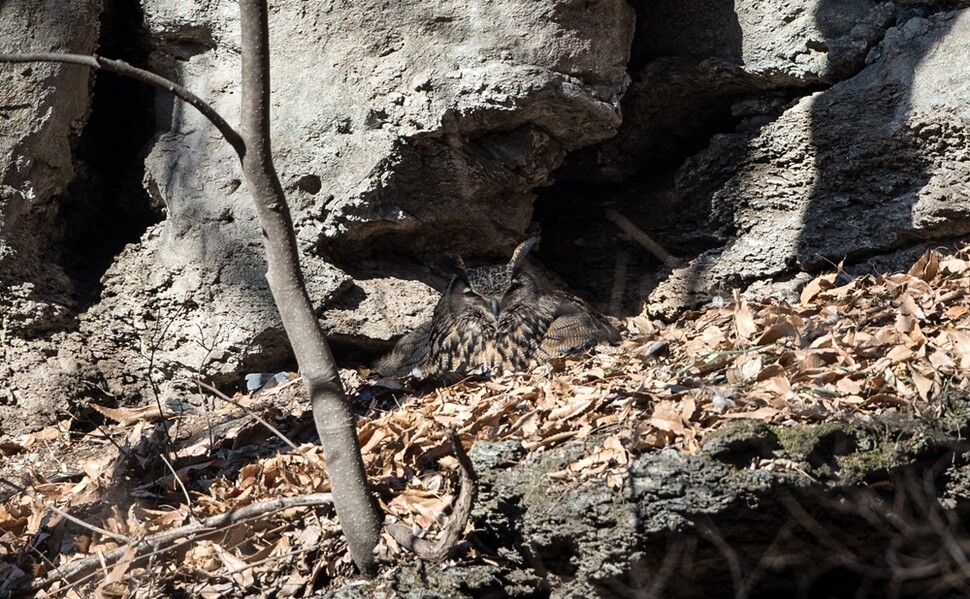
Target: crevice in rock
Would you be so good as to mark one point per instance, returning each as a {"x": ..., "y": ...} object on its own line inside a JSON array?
[
  {"x": 107, "y": 208},
  {"x": 906, "y": 10}
]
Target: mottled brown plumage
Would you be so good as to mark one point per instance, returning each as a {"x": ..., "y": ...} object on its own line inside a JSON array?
[{"x": 491, "y": 319}]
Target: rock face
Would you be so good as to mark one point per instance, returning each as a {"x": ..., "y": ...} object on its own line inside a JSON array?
[
  {"x": 401, "y": 131},
  {"x": 741, "y": 61},
  {"x": 862, "y": 168},
  {"x": 761, "y": 511},
  {"x": 43, "y": 108},
  {"x": 791, "y": 137},
  {"x": 755, "y": 140}
]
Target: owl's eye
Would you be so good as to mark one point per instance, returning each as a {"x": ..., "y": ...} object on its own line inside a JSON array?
[
  {"x": 516, "y": 283},
  {"x": 468, "y": 291}
]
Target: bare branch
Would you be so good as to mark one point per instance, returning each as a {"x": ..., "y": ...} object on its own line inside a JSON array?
[
  {"x": 210, "y": 525},
  {"x": 642, "y": 238},
  {"x": 121, "y": 67}
]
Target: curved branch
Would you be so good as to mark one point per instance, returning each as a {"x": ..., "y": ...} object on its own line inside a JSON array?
[
  {"x": 642, "y": 238},
  {"x": 121, "y": 67},
  {"x": 455, "y": 527}
]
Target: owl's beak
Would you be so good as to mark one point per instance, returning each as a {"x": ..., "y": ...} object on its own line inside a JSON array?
[{"x": 494, "y": 306}]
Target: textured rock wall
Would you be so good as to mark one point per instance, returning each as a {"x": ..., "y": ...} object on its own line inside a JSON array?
[
  {"x": 701, "y": 63},
  {"x": 862, "y": 168},
  {"x": 43, "y": 108}
]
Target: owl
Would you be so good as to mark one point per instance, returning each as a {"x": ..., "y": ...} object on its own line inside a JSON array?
[{"x": 491, "y": 319}]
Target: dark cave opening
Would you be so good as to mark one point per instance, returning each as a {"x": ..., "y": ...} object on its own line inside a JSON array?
[
  {"x": 663, "y": 125},
  {"x": 107, "y": 208},
  {"x": 587, "y": 251},
  {"x": 635, "y": 173},
  {"x": 600, "y": 262}
]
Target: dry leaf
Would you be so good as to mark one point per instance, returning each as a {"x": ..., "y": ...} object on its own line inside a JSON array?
[
  {"x": 744, "y": 320},
  {"x": 924, "y": 385},
  {"x": 765, "y": 413},
  {"x": 927, "y": 267},
  {"x": 845, "y": 352},
  {"x": 777, "y": 331},
  {"x": 816, "y": 286},
  {"x": 954, "y": 266},
  {"x": 908, "y": 307},
  {"x": 955, "y": 312},
  {"x": 127, "y": 416}
]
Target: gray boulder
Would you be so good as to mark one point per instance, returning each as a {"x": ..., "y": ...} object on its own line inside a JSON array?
[{"x": 860, "y": 169}]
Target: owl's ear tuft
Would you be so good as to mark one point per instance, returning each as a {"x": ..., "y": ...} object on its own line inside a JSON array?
[
  {"x": 452, "y": 268},
  {"x": 449, "y": 266},
  {"x": 520, "y": 253}
]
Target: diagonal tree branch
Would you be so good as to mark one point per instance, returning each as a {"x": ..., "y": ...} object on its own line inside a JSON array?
[{"x": 121, "y": 67}]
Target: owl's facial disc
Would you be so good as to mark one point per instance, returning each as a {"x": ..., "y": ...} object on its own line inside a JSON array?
[{"x": 492, "y": 305}]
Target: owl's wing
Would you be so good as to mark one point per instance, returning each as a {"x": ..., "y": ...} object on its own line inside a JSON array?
[
  {"x": 410, "y": 353},
  {"x": 573, "y": 328}
]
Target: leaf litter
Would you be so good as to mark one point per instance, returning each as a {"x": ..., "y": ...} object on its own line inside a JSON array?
[{"x": 848, "y": 351}]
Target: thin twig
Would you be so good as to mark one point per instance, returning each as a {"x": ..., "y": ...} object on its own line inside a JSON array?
[
  {"x": 121, "y": 67},
  {"x": 107, "y": 533},
  {"x": 156, "y": 340},
  {"x": 249, "y": 412},
  {"x": 267, "y": 560},
  {"x": 836, "y": 549},
  {"x": 178, "y": 480},
  {"x": 642, "y": 238}
]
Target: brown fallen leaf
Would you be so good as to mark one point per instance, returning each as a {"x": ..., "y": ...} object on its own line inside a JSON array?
[
  {"x": 924, "y": 385},
  {"x": 954, "y": 266},
  {"x": 815, "y": 286},
  {"x": 743, "y": 318},
  {"x": 779, "y": 330},
  {"x": 955, "y": 312},
  {"x": 909, "y": 307},
  {"x": 765, "y": 413},
  {"x": 927, "y": 267},
  {"x": 126, "y": 416}
]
